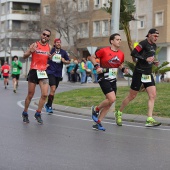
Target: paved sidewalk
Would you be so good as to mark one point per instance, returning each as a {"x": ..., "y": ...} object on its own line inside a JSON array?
[{"x": 110, "y": 115}]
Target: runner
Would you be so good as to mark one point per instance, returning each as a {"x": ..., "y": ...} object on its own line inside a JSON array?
[
  {"x": 40, "y": 52},
  {"x": 144, "y": 52},
  {"x": 54, "y": 71},
  {"x": 16, "y": 71},
  {"x": 5, "y": 69},
  {"x": 111, "y": 58}
]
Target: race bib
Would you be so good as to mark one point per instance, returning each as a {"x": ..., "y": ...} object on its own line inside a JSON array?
[
  {"x": 57, "y": 58},
  {"x": 112, "y": 73},
  {"x": 6, "y": 70},
  {"x": 146, "y": 78},
  {"x": 14, "y": 69},
  {"x": 41, "y": 74}
]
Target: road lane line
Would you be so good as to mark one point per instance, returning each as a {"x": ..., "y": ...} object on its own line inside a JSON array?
[{"x": 19, "y": 103}]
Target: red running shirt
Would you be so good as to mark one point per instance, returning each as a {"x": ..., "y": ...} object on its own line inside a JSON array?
[
  {"x": 40, "y": 57},
  {"x": 5, "y": 70},
  {"x": 110, "y": 58}
]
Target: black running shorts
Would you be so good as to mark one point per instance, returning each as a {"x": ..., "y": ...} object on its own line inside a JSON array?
[
  {"x": 16, "y": 76},
  {"x": 33, "y": 78},
  {"x": 108, "y": 86},
  {"x": 136, "y": 81},
  {"x": 54, "y": 81}
]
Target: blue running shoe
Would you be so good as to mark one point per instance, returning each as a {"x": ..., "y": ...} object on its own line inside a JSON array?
[
  {"x": 48, "y": 109},
  {"x": 98, "y": 126},
  {"x": 38, "y": 118},
  {"x": 25, "y": 117},
  {"x": 94, "y": 114}
]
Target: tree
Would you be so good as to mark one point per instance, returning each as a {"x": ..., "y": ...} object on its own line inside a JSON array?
[
  {"x": 63, "y": 19},
  {"x": 127, "y": 10}
]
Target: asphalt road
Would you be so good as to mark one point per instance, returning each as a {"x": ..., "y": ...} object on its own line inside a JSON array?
[{"x": 67, "y": 141}]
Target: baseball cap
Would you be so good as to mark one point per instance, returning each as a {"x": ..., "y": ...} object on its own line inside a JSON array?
[
  {"x": 57, "y": 39},
  {"x": 152, "y": 31}
]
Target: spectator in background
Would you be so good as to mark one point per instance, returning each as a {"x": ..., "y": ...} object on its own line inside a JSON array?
[
  {"x": 5, "y": 69},
  {"x": 16, "y": 71},
  {"x": 69, "y": 69},
  {"x": 89, "y": 70},
  {"x": 74, "y": 71},
  {"x": 83, "y": 68},
  {"x": 95, "y": 75}
]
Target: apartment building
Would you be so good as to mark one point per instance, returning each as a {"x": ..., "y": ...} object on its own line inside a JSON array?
[
  {"x": 19, "y": 26},
  {"x": 95, "y": 29}
]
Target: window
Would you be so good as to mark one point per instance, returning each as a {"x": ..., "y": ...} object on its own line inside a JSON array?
[
  {"x": 96, "y": 28},
  {"x": 96, "y": 3},
  {"x": 141, "y": 22},
  {"x": 105, "y": 28},
  {"x": 83, "y": 5},
  {"x": 159, "y": 19},
  {"x": 47, "y": 9},
  {"x": 3, "y": 9},
  {"x": 16, "y": 25},
  {"x": 84, "y": 30},
  {"x": 2, "y": 26},
  {"x": 105, "y": 3}
]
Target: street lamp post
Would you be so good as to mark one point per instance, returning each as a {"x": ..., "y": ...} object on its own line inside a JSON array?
[{"x": 115, "y": 16}]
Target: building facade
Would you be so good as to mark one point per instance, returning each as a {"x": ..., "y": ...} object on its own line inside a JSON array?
[{"x": 19, "y": 26}]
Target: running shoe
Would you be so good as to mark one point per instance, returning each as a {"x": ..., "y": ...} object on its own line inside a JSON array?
[
  {"x": 48, "y": 109},
  {"x": 98, "y": 126},
  {"x": 38, "y": 118},
  {"x": 25, "y": 117},
  {"x": 118, "y": 118},
  {"x": 151, "y": 122},
  {"x": 14, "y": 91},
  {"x": 94, "y": 114}
]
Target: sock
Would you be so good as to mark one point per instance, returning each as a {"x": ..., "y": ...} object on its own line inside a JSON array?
[
  {"x": 25, "y": 113},
  {"x": 98, "y": 122},
  {"x": 97, "y": 109},
  {"x": 38, "y": 112},
  {"x": 50, "y": 100}
]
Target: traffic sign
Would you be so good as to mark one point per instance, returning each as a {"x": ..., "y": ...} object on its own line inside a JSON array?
[{"x": 91, "y": 50}]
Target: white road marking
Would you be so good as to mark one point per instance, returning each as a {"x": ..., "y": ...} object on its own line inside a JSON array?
[{"x": 19, "y": 103}]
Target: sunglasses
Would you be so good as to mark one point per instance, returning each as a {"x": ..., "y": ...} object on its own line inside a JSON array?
[
  {"x": 47, "y": 35},
  {"x": 156, "y": 36}
]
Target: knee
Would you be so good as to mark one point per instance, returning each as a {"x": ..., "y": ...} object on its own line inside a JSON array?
[
  {"x": 44, "y": 96},
  {"x": 131, "y": 96},
  {"x": 111, "y": 101},
  {"x": 152, "y": 96}
]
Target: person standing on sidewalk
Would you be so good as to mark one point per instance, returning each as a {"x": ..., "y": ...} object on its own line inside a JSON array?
[
  {"x": 40, "y": 52},
  {"x": 5, "y": 69},
  {"x": 144, "y": 52},
  {"x": 111, "y": 58},
  {"x": 54, "y": 71},
  {"x": 16, "y": 71}
]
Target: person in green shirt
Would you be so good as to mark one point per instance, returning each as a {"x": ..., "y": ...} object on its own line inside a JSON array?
[{"x": 16, "y": 71}]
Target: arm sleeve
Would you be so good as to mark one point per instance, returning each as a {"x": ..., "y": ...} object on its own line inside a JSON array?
[{"x": 136, "y": 51}]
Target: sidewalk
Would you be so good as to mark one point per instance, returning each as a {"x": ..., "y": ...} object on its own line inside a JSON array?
[{"x": 110, "y": 115}]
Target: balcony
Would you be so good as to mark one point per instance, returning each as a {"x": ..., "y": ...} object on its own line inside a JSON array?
[{"x": 25, "y": 12}]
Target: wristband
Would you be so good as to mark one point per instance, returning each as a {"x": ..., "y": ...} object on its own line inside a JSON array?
[
  {"x": 123, "y": 69},
  {"x": 96, "y": 66}
]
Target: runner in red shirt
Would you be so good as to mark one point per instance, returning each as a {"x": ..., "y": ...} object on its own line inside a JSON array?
[
  {"x": 40, "y": 52},
  {"x": 111, "y": 58},
  {"x": 5, "y": 69}
]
